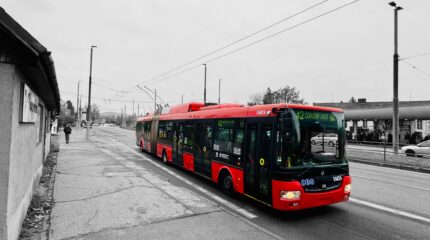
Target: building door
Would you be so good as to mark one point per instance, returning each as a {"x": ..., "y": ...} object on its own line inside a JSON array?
[{"x": 257, "y": 159}]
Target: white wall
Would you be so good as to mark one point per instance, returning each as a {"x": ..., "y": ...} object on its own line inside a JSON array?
[{"x": 25, "y": 156}]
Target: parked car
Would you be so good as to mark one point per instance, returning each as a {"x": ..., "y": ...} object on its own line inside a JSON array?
[
  {"x": 329, "y": 138},
  {"x": 419, "y": 150}
]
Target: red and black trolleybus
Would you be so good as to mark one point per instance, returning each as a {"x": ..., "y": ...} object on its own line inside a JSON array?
[{"x": 286, "y": 156}]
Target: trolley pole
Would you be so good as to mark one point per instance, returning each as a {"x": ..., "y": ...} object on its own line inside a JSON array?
[
  {"x": 89, "y": 95},
  {"x": 204, "y": 88},
  {"x": 155, "y": 100},
  {"x": 219, "y": 91},
  {"x": 395, "y": 83}
]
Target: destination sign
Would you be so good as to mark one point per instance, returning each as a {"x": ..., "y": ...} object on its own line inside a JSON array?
[{"x": 303, "y": 115}]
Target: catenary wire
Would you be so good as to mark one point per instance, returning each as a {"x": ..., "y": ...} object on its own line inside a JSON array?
[
  {"x": 230, "y": 44},
  {"x": 258, "y": 41},
  {"x": 414, "y": 67}
]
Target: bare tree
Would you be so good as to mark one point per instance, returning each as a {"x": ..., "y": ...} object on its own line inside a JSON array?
[
  {"x": 255, "y": 99},
  {"x": 95, "y": 112},
  {"x": 287, "y": 94}
]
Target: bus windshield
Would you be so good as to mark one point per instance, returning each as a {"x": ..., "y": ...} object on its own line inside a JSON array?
[{"x": 306, "y": 138}]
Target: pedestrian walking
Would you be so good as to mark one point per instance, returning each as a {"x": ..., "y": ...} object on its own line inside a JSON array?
[{"x": 67, "y": 131}]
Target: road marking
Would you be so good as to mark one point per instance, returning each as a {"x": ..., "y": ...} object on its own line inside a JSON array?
[
  {"x": 390, "y": 210},
  {"x": 392, "y": 183},
  {"x": 389, "y": 169},
  {"x": 230, "y": 205}
]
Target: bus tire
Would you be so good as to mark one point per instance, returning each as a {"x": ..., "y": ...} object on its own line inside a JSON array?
[
  {"x": 226, "y": 182},
  {"x": 164, "y": 157}
]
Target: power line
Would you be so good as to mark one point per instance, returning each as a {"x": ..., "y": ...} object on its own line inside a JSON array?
[
  {"x": 108, "y": 88},
  {"x": 105, "y": 99},
  {"x": 258, "y": 41},
  {"x": 230, "y": 44},
  {"x": 417, "y": 69},
  {"x": 416, "y": 56}
]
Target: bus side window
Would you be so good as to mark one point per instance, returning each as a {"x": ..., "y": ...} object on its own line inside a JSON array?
[
  {"x": 223, "y": 140},
  {"x": 162, "y": 130},
  {"x": 238, "y": 142},
  {"x": 188, "y": 135}
]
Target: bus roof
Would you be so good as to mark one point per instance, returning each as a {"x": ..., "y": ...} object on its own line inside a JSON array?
[{"x": 197, "y": 110}]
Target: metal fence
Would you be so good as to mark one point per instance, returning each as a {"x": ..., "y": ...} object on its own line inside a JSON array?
[{"x": 382, "y": 150}]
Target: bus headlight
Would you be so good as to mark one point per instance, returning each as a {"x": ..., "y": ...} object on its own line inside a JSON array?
[
  {"x": 347, "y": 188},
  {"x": 290, "y": 195}
]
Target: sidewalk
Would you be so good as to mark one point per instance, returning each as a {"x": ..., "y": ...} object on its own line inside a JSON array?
[{"x": 104, "y": 192}]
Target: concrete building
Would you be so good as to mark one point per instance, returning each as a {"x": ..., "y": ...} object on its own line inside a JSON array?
[
  {"x": 29, "y": 96},
  {"x": 414, "y": 117}
]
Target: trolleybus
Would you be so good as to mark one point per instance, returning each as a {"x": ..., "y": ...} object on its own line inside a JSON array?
[{"x": 266, "y": 152}]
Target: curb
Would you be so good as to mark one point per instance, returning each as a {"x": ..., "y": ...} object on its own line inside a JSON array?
[{"x": 390, "y": 165}]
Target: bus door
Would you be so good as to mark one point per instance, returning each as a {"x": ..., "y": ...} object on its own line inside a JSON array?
[
  {"x": 203, "y": 150},
  {"x": 257, "y": 158},
  {"x": 177, "y": 144}
]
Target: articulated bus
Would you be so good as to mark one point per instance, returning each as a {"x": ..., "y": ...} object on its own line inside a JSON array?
[{"x": 275, "y": 154}]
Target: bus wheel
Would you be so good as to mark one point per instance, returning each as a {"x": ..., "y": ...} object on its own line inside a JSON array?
[
  {"x": 226, "y": 183},
  {"x": 164, "y": 157}
]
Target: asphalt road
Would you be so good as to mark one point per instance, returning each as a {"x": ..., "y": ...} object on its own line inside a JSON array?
[{"x": 385, "y": 203}]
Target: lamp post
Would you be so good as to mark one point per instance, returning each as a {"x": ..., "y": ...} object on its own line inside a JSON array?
[
  {"x": 204, "y": 88},
  {"x": 395, "y": 83},
  {"x": 219, "y": 91},
  {"x": 89, "y": 96},
  {"x": 77, "y": 107}
]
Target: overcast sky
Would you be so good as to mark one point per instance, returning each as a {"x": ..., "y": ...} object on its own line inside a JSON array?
[{"x": 342, "y": 54}]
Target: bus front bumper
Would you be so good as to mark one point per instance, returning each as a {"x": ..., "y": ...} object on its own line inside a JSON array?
[{"x": 307, "y": 199}]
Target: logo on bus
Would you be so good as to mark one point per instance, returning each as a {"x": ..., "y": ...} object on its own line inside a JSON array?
[
  {"x": 307, "y": 182},
  {"x": 337, "y": 178}
]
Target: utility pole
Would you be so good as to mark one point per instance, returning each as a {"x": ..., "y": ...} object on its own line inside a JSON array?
[
  {"x": 204, "y": 88},
  {"x": 133, "y": 107},
  {"x": 182, "y": 99},
  {"x": 77, "y": 107},
  {"x": 89, "y": 95},
  {"x": 138, "y": 110},
  {"x": 395, "y": 83},
  {"x": 80, "y": 110},
  {"x": 219, "y": 91}
]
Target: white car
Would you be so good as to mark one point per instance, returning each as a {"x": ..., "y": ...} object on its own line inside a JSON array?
[
  {"x": 329, "y": 138},
  {"x": 422, "y": 149}
]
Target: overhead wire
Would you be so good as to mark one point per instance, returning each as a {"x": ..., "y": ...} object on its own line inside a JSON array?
[
  {"x": 258, "y": 41},
  {"x": 230, "y": 44},
  {"x": 105, "y": 99},
  {"x": 108, "y": 88},
  {"x": 415, "y": 56},
  {"x": 414, "y": 67}
]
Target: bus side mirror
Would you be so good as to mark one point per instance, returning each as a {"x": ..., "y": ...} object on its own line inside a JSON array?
[{"x": 287, "y": 128}]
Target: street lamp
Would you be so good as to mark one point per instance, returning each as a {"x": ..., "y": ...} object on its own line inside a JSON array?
[
  {"x": 89, "y": 95},
  {"x": 395, "y": 83},
  {"x": 204, "y": 88},
  {"x": 77, "y": 107}
]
